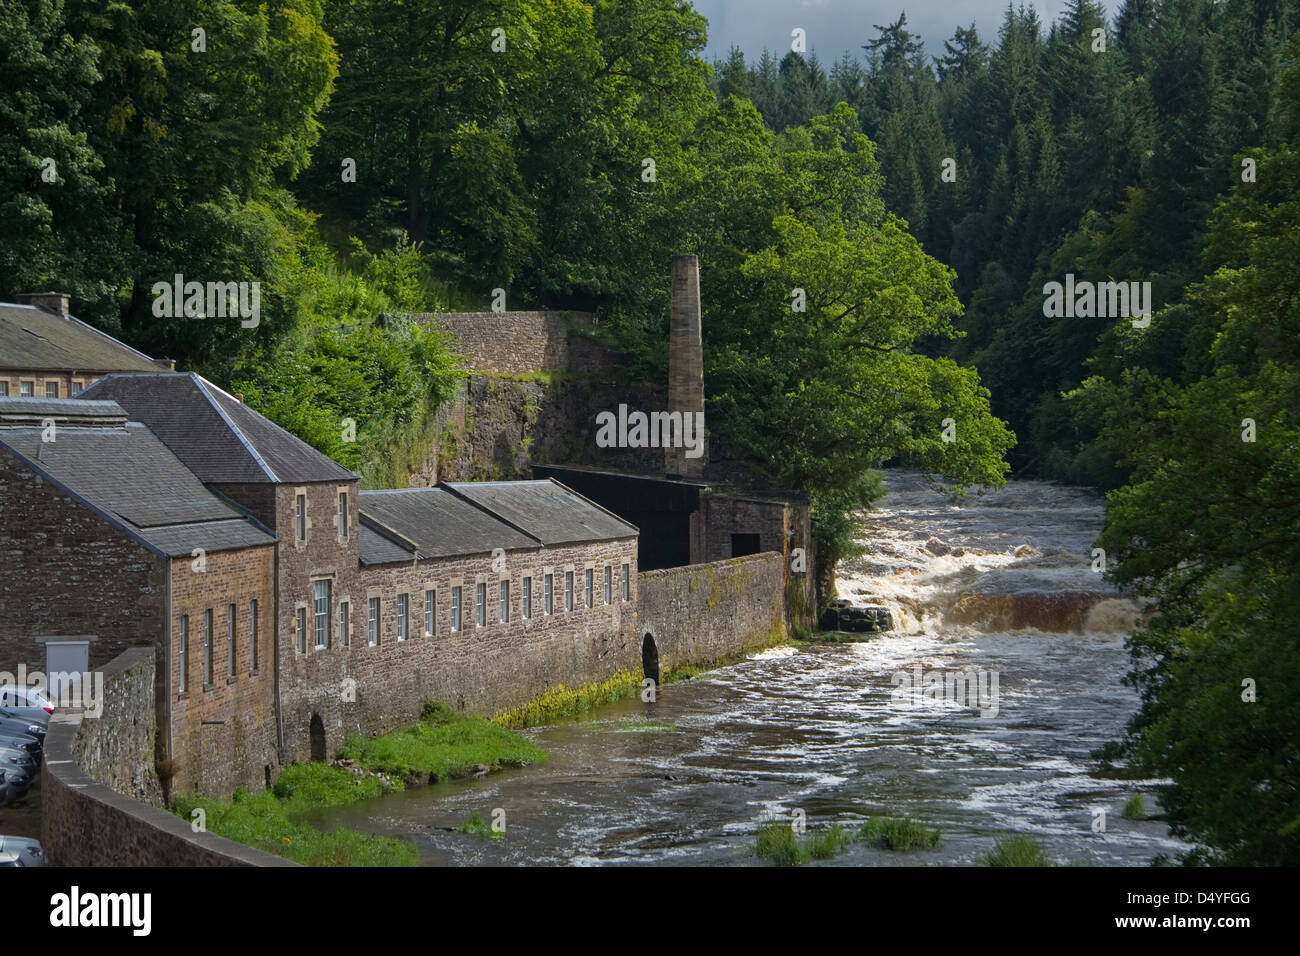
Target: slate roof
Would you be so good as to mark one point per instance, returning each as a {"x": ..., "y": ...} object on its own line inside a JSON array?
[
  {"x": 34, "y": 411},
  {"x": 439, "y": 523},
  {"x": 218, "y": 437},
  {"x": 32, "y": 338},
  {"x": 545, "y": 510},
  {"x": 128, "y": 474}
]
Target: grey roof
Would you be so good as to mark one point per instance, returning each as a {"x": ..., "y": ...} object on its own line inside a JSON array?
[
  {"x": 32, "y": 338},
  {"x": 378, "y": 548},
  {"x": 440, "y": 524},
  {"x": 221, "y": 439},
  {"x": 130, "y": 475},
  {"x": 34, "y": 411},
  {"x": 546, "y": 510}
]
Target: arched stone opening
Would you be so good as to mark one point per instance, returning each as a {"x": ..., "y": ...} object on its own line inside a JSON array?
[
  {"x": 650, "y": 658},
  {"x": 317, "y": 738}
]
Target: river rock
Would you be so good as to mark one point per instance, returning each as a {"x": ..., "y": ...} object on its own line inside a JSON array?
[{"x": 841, "y": 615}]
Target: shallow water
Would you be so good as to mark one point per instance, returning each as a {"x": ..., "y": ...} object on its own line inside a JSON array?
[{"x": 827, "y": 730}]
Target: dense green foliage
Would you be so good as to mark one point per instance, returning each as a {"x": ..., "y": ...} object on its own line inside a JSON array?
[{"x": 898, "y": 833}]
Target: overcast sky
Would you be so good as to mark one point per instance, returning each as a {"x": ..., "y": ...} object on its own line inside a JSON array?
[{"x": 834, "y": 26}]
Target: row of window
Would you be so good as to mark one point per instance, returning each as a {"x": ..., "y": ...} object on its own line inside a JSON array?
[
  {"x": 27, "y": 389},
  {"x": 300, "y": 517},
  {"x": 206, "y": 637},
  {"x": 320, "y": 607}
]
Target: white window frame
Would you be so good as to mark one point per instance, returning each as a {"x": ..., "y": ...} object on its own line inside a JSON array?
[
  {"x": 503, "y": 590},
  {"x": 372, "y": 621},
  {"x": 480, "y": 604},
  {"x": 430, "y": 611},
  {"x": 403, "y": 616},
  {"x": 300, "y": 517},
  {"x": 345, "y": 621},
  {"x": 609, "y": 584},
  {"x": 568, "y": 590},
  {"x": 548, "y": 595},
  {"x": 455, "y": 609},
  {"x": 627, "y": 587},
  {"x": 527, "y": 612},
  {"x": 320, "y": 617},
  {"x": 588, "y": 585}
]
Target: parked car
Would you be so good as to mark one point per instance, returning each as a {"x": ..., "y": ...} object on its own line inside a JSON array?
[
  {"x": 40, "y": 719},
  {"x": 25, "y": 701},
  {"x": 12, "y": 757},
  {"x": 28, "y": 745},
  {"x": 14, "y": 784},
  {"x": 16, "y": 725},
  {"x": 28, "y": 850},
  {"x": 11, "y": 859}
]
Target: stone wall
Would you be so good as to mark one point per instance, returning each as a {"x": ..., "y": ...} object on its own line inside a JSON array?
[
  {"x": 66, "y": 570},
  {"x": 704, "y": 613},
  {"x": 519, "y": 343},
  {"x": 86, "y": 821},
  {"x": 118, "y": 748},
  {"x": 359, "y": 688},
  {"x": 223, "y": 729}
]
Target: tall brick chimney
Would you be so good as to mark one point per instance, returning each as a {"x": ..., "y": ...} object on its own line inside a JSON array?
[
  {"x": 56, "y": 302},
  {"x": 686, "y": 365}
]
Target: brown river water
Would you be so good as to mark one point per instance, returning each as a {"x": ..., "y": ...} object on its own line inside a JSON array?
[{"x": 994, "y": 594}]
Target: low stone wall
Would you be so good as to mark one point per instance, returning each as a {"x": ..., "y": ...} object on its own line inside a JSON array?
[
  {"x": 703, "y": 613},
  {"x": 517, "y": 343},
  {"x": 86, "y": 823},
  {"x": 117, "y": 748}
]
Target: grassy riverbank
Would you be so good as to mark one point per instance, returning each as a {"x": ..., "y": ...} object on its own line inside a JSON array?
[{"x": 444, "y": 745}]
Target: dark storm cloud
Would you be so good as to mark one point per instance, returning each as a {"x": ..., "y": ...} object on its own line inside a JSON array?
[{"x": 834, "y": 26}]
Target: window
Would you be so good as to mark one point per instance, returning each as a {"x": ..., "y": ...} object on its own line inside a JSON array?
[
  {"x": 528, "y": 598},
  {"x": 51, "y": 389},
  {"x": 300, "y": 521},
  {"x": 184, "y": 639},
  {"x": 455, "y": 609},
  {"x": 25, "y": 389},
  {"x": 345, "y": 625},
  {"x": 343, "y": 514},
  {"x": 230, "y": 639},
  {"x": 374, "y": 622},
  {"x": 588, "y": 588},
  {"x": 627, "y": 588},
  {"x": 609, "y": 583},
  {"x": 568, "y": 590},
  {"x": 321, "y": 613},
  {"x": 4, "y": 388},
  {"x": 480, "y": 605},
  {"x": 207, "y": 646},
  {"x": 505, "y": 601},
  {"x": 77, "y": 387},
  {"x": 302, "y": 630},
  {"x": 548, "y": 586},
  {"x": 403, "y": 606},
  {"x": 430, "y": 615},
  {"x": 252, "y": 636}
]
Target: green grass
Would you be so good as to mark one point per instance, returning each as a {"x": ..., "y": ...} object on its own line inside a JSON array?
[
  {"x": 777, "y": 843},
  {"x": 261, "y": 820},
  {"x": 1135, "y": 808},
  {"x": 1015, "y": 851},
  {"x": 476, "y": 825},
  {"x": 646, "y": 727},
  {"x": 443, "y": 745},
  {"x": 895, "y": 833},
  {"x": 561, "y": 703},
  {"x": 320, "y": 785}
]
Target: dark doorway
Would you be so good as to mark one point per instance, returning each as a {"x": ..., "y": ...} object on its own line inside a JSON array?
[
  {"x": 743, "y": 544},
  {"x": 650, "y": 659},
  {"x": 317, "y": 738}
]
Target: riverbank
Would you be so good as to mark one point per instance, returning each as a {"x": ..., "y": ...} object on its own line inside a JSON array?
[{"x": 444, "y": 745}]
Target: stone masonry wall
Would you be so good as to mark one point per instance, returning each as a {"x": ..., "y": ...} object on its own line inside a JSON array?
[
  {"x": 518, "y": 343},
  {"x": 703, "y": 613},
  {"x": 118, "y": 748},
  {"x": 98, "y": 792},
  {"x": 68, "y": 571},
  {"x": 375, "y": 689},
  {"x": 223, "y": 730}
]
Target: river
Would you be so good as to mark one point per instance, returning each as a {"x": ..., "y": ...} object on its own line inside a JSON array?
[{"x": 998, "y": 585}]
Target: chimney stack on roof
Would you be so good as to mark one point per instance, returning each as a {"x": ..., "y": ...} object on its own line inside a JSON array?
[
  {"x": 56, "y": 302},
  {"x": 686, "y": 365}
]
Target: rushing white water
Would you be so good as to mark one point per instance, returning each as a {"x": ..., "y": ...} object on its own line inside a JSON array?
[{"x": 995, "y": 587}]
